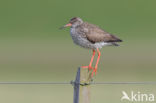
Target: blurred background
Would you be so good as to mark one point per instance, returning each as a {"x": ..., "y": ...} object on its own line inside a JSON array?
[{"x": 32, "y": 48}]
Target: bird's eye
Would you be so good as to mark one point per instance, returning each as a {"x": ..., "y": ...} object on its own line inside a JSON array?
[{"x": 73, "y": 18}]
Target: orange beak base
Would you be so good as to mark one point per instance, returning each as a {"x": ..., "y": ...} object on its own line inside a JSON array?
[{"x": 68, "y": 25}]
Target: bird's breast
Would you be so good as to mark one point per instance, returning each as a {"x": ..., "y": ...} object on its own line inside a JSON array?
[
  {"x": 75, "y": 35},
  {"x": 80, "y": 39}
]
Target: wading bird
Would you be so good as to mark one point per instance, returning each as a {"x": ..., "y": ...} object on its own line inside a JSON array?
[{"x": 90, "y": 36}]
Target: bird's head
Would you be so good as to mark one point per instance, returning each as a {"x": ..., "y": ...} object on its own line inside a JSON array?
[{"x": 75, "y": 21}]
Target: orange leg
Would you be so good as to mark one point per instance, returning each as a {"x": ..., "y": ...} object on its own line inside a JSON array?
[
  {"x": 91, "y": 61},
  {"x": 96, "y": 66}
]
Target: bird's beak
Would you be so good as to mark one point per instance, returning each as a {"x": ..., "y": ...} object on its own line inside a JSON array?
[{"x": 67, "y": 25}]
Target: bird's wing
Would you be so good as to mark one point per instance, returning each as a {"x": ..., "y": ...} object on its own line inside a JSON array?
[{"x": 96, "y": 34}]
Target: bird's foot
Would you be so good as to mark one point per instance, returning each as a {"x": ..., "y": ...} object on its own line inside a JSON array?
[
  {"x": 94, "y": 71},
  {"x": 89, "y": 67}
]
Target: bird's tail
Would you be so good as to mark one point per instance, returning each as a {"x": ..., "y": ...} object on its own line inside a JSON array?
[{"x": 115, "y": 44}]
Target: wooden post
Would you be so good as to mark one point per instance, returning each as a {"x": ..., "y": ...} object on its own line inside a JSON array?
[
  {"x": 81, "y": 86},
  {"x": 85, "y": 79}
]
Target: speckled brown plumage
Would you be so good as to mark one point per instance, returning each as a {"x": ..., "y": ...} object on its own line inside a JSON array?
[
  {"x": 95, "y": 34},
  {"x": 89, "y": 35}
]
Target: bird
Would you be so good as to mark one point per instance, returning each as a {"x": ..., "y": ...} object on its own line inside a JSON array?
[{"x": 92, "y": 37}]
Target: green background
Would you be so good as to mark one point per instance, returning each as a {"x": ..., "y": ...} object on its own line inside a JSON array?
[{"x": 32, "y": 48}]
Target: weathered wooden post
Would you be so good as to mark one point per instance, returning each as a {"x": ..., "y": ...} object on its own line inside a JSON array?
[
  {"x": 82, "y": 86},
  {"x": 85, "y": 79}
]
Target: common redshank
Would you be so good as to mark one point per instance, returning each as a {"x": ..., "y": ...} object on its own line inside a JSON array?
[{"x": 92, "y": 37}]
